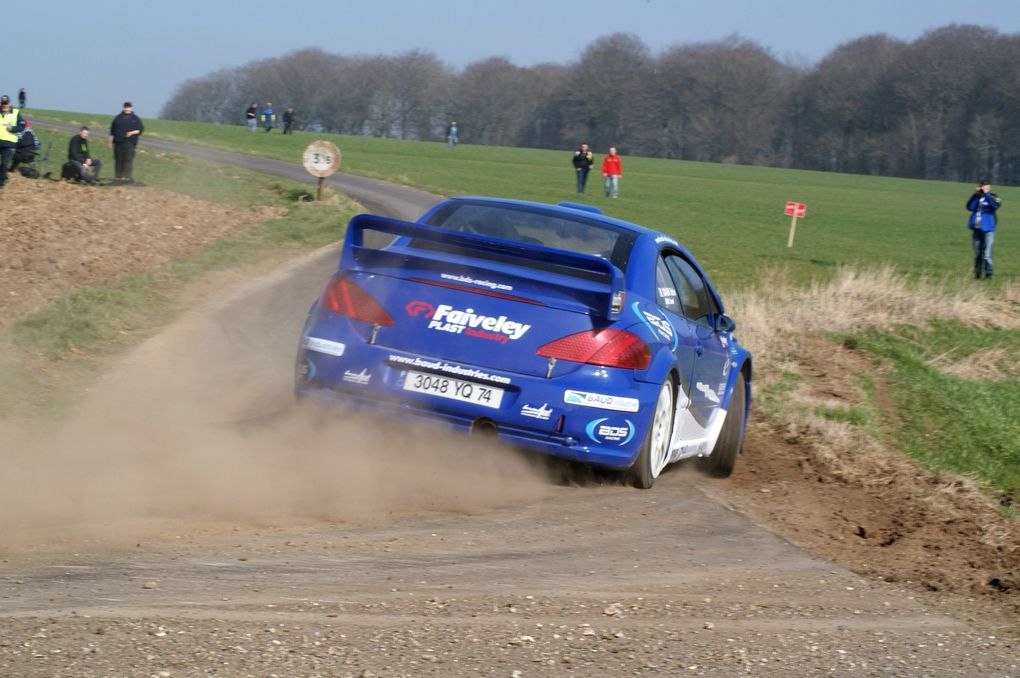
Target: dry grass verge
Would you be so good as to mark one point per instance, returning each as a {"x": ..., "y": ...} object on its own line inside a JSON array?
[{"x": 839, "y": 486}]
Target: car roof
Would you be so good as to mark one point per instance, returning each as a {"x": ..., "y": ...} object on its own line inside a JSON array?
[
  {"x": 566, "y": 209},
  {"x": 652, "y": 240}
]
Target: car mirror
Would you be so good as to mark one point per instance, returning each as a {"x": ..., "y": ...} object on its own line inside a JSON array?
[{"x": 724, "y": 323}]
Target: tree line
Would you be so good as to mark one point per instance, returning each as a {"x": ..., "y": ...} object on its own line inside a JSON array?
[{"x": 944, "y": 106}]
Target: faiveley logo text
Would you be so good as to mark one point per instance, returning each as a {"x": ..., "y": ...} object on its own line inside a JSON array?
[{"x": 448, "y": 319}]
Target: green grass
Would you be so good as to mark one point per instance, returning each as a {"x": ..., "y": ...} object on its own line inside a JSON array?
[
  {"x": 103, "y": 321},
  {"x": 964, "y": 424},
  {"x": 852, "y": 415},
  {"x": 730, "y": 216},
  {"x": 46, "y": 355}
]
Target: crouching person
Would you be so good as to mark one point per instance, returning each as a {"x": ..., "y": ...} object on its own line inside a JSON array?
[{"x": 80, "y": 160}]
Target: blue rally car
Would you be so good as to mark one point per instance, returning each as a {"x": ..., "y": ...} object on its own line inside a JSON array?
[{"x": 552, "y": 327}]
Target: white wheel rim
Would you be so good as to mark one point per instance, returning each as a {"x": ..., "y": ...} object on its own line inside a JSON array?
[{"x": 658, "y": 451}]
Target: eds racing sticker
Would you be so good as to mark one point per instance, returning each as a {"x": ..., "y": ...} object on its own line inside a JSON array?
[{"x": 606, "y": 431}]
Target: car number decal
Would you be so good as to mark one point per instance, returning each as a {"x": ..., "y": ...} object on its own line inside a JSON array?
[{"x": 453, "y": 389}]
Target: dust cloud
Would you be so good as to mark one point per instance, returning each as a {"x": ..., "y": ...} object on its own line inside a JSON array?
[
  {"x": 198, "y": 427},
  {"x": 90, "y": 479}
]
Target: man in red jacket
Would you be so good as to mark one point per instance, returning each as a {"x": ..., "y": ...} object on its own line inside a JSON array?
[{"x": 612, "y": 170}]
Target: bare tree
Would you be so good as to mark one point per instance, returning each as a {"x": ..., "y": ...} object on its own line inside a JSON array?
[
  {"x": 849, "y": 118},
  {"x": 208, "y": 99},
  {"x": 942, "y": 106},
  {"x": 722, "y": 101},
  {"x": 493, "y": 102},
  {"x": 604, "y": 92}
]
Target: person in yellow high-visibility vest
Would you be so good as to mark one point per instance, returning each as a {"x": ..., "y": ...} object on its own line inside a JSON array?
[{"x": 11, "y": 124}]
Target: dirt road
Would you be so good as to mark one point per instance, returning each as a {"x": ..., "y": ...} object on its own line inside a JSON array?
[
  {"x": 585, "y": 581},
  {"x": 190, "y": 523}
]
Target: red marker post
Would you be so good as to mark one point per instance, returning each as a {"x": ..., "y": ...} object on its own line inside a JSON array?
[{"x": 796, "y": 210}]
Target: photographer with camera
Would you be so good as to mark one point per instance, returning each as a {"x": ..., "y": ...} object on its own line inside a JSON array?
[{"x": 982, "y": 206}]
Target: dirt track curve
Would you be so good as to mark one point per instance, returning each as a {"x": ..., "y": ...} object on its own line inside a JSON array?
[{"x": 215, "y": 531}]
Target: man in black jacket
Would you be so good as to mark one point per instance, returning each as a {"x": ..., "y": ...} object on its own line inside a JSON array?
[
  {"x": 78, "y": 155},
  {"x": 582, "y": 161},
  {"x": 124, "y": 132}
]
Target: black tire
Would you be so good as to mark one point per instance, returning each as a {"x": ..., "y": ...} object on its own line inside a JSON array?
[
  {"x": 720, "y": 463},
  {"x": 655, "y": 448}
]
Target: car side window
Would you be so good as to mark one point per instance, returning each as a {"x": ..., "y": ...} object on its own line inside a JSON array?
[
  {"x": 698, "y": 304},
  {"x": 665, "y": 291}
]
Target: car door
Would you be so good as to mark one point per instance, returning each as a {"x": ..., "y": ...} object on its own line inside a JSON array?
[
  {"x": 668, "y": 299},
  {"x": 711, "y": 359}
]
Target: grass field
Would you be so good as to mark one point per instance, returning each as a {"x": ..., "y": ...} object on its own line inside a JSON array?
[
  {"x": 89, "y": 326},
  {"x": 731, "y": 218}
]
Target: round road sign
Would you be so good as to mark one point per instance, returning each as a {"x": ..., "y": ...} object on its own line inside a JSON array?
[{"x": 322, "y": 158}]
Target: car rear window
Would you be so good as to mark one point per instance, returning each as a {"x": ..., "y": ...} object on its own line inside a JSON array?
[{"x": 537, "y": 227}]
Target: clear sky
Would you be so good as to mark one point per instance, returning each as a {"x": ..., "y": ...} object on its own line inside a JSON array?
[{"x": 91, "y": 56}]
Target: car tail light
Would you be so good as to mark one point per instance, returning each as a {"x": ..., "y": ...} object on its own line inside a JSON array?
[
  {"x": 612, "y": 348},
  {"x": 345, "y": 297}
]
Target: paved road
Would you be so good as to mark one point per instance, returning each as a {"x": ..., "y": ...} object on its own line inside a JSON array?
[{"x": 311, "y": 546}]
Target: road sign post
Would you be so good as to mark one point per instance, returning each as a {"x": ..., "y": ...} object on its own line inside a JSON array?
[
  {"x": 321, "y": 159},
  {"x": 795, "y": 210}
]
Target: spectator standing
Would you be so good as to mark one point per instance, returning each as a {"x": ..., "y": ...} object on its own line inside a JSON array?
[
  {"x": 78, "y": 155},
  {"x": 268, "y": 117},
  {"x": 124, "y": 132},
  {"x": 451, "y": 134},
  {"x": 11, "y": 124},
  {"x": 582, "y": 160},
  {"x": 288, "y": 120},
  {"x": 22, "y": 97},
  {"x": 612, "y": 170},
  {"x": 251, "y": 117},
  {"x": 982, "y": 206}
]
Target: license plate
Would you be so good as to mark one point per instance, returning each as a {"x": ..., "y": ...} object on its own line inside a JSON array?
[{"x": 454, "y": 389}]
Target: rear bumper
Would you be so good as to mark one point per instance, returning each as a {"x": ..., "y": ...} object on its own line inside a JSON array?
[{"x": 533, "y": 415}]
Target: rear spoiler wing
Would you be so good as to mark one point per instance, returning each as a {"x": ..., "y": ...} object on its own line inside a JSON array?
[{"x": 357, "y": 256}]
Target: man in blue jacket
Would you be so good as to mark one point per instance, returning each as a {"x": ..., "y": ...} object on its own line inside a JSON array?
[
  {"x": 268, "y": 117},
  {"x": 982, "y": 206},
  {"x": 11, "y": 125}
]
